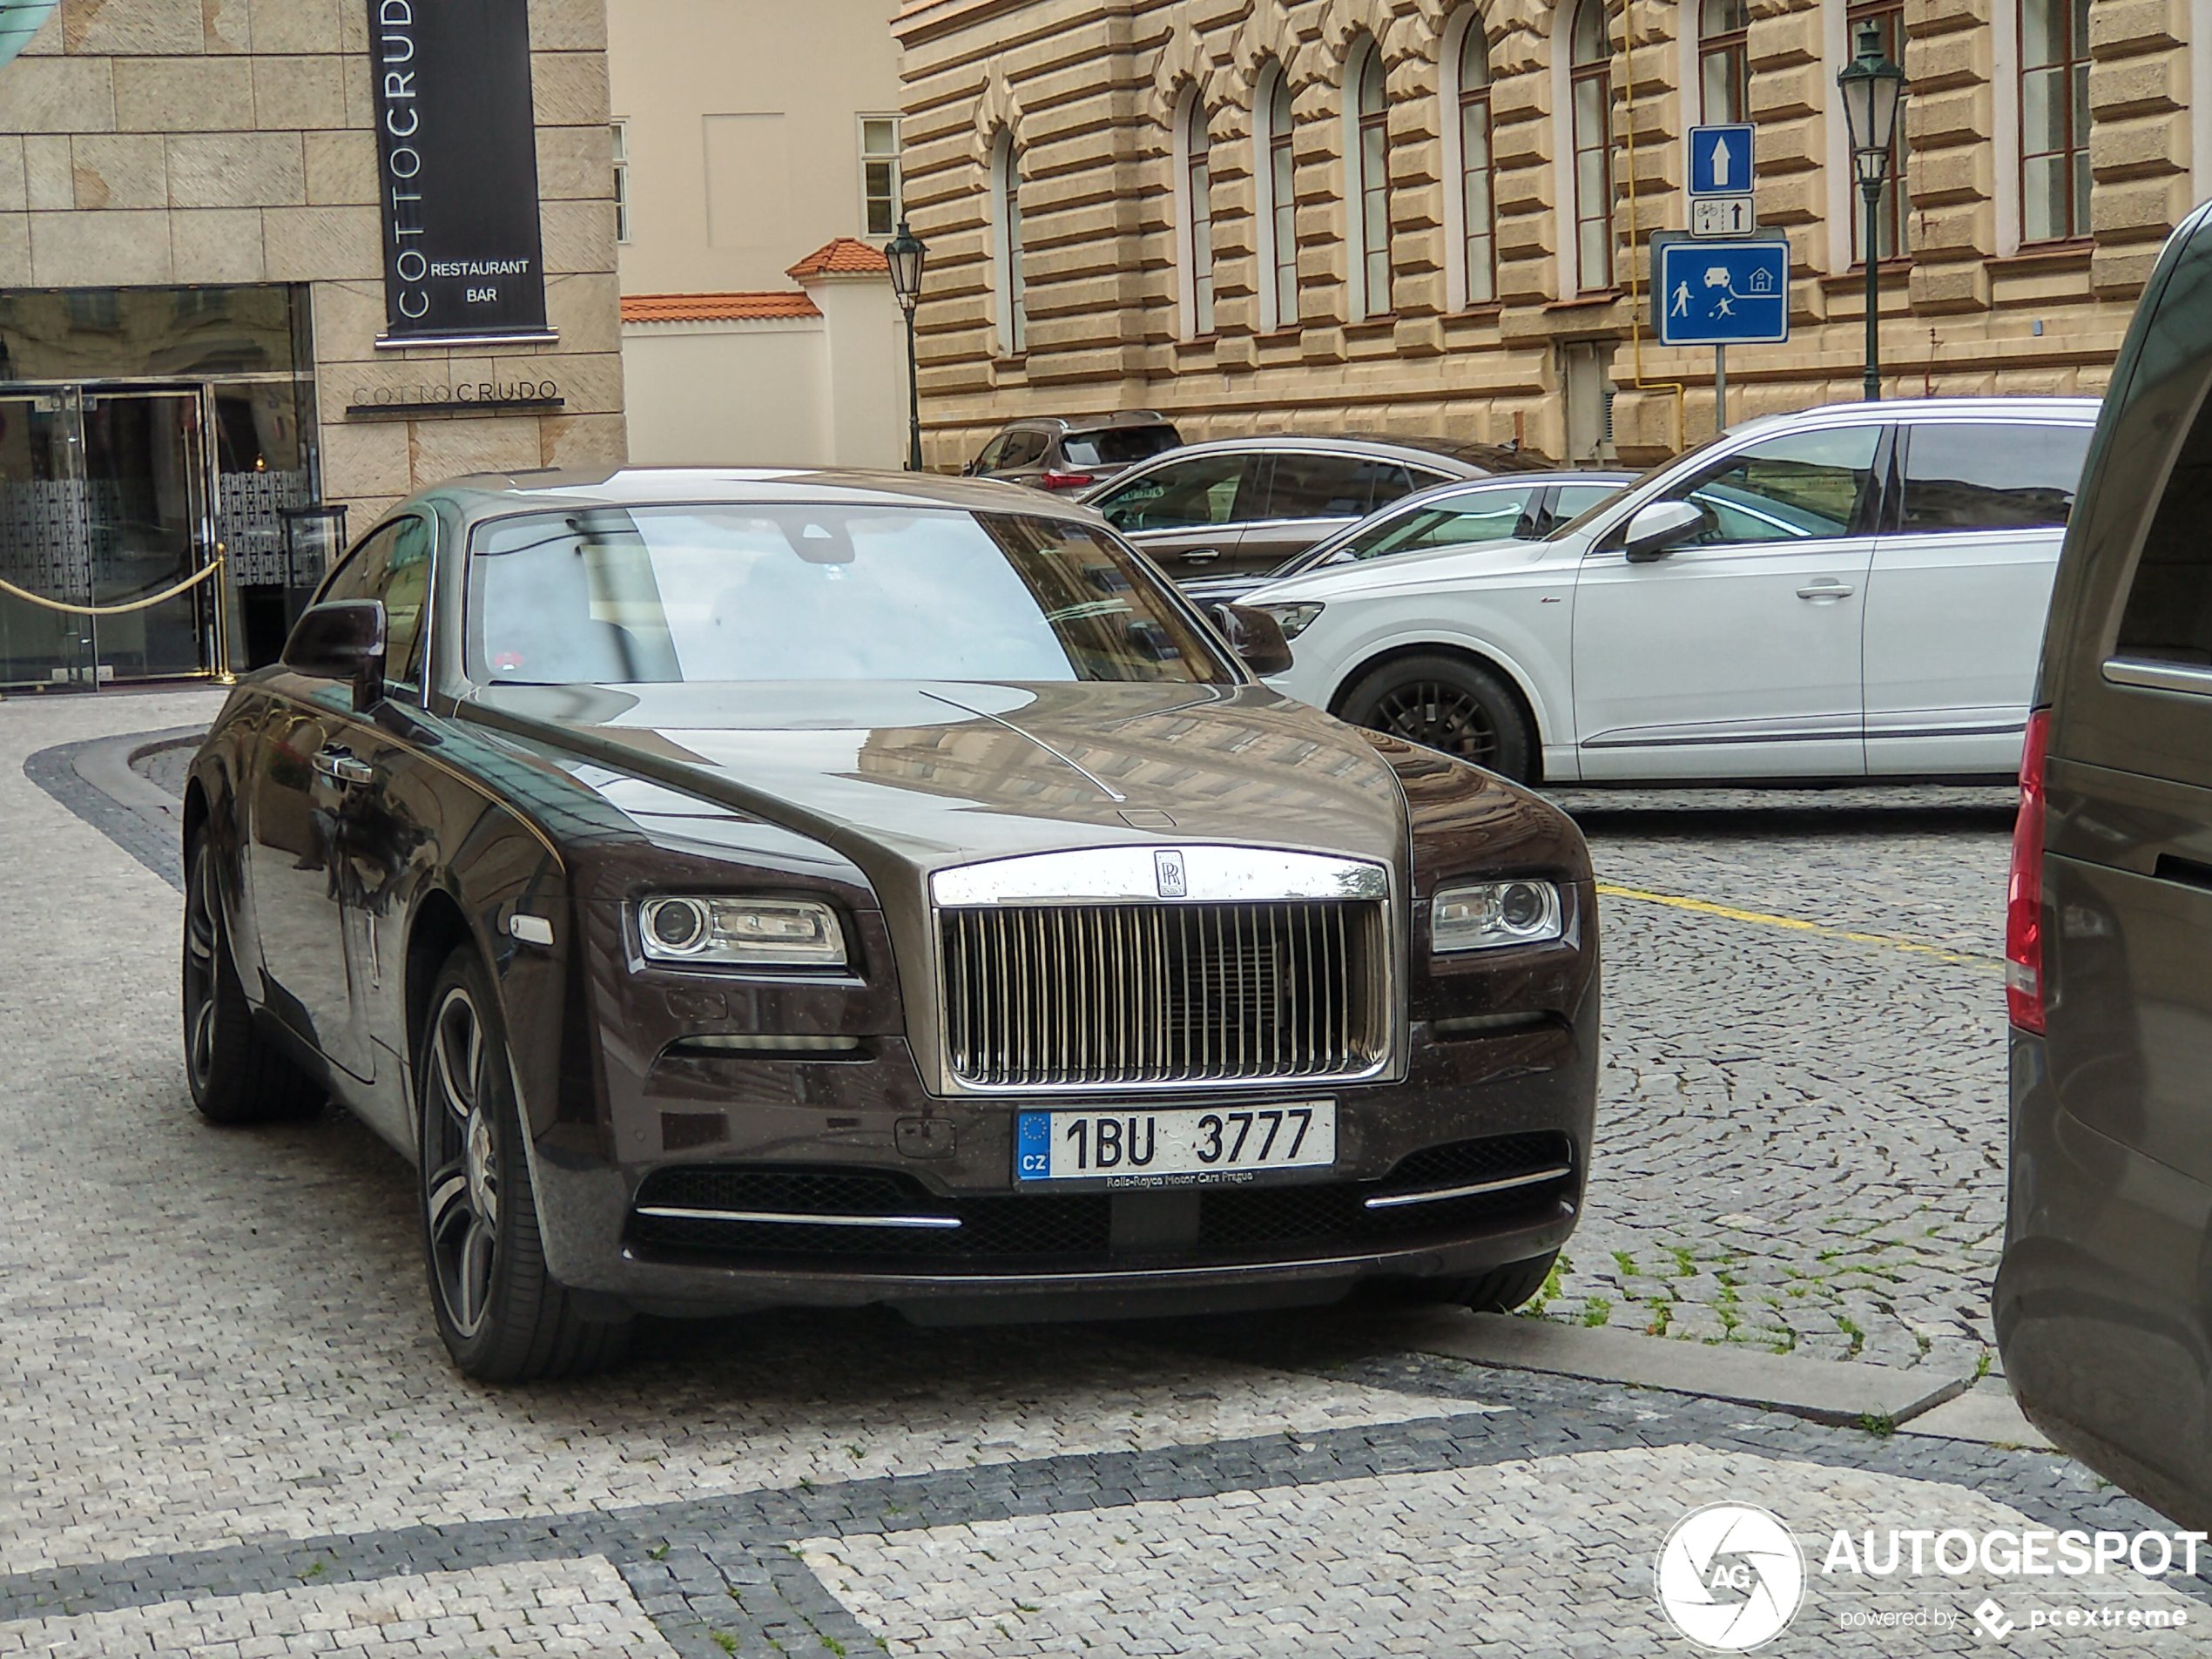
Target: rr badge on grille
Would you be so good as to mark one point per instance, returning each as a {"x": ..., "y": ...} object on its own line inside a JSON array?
[{"x": 1168, "y": 866}]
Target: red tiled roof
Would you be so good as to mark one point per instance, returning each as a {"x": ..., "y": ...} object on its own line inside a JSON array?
[
  {"x": 842, "y": 256},
  {"x": 714, "y": 307}
]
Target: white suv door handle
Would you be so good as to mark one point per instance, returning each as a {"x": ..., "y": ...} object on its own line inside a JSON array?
[{"x": 1826, "y": 588}]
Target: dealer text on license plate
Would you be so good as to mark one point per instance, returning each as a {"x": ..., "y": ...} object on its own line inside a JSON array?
[{"x": 1176, "y": 1146}]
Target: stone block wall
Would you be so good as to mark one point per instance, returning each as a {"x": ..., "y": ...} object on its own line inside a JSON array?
[{"x": 1089, "y": 90}]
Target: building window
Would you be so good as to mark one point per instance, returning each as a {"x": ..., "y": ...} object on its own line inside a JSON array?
[
  {"x": 1888, "y": 18},
  {"x": 1477, "y": 209},
  {"x": 1724, "y": 61},
  {"x": 1278, "y": 169},
  {"x": 879, "y": 174},
  {"x": 620, "y": 135},
  {"x": 1006, "y": 228},
  {"x": 1198, "y": 216},
  {"x": 1590, "y": 94},
  {"x": 2054, "y": 119},
  {"x": 1368, "y": 155}
]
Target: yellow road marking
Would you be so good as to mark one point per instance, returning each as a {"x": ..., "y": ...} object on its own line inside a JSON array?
[{"x": 1797, "y": 924}]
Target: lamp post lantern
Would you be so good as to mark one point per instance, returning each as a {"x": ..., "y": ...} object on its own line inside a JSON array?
[
  {"x": 1873, "y": 89},
  {"x": 906, "y": 252}
]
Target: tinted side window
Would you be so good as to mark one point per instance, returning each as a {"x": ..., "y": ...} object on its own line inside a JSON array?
[
  {"x": 1799, "y": 488},
  {"x": 392, "y": 564},
  {"x": 1320, "y": 487},
  {"x": 1179, "y": 496},
  {"x": 992, "y": 451},
  {"x": 2169, "y": 615},
  {"x": 1117, "y": 446},
  {"x": 1022, "y": 448},
  {"x": 2011, "y": 476}
]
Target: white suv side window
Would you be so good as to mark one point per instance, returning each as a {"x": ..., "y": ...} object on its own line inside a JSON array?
[{"x": 1805, "y": 486}]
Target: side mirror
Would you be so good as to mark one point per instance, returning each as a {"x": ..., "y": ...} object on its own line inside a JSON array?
[
  {"x": 342, "y": 639},
  {"x": 1256, "y": 638},
  {"x": 1656, "y": 530}
]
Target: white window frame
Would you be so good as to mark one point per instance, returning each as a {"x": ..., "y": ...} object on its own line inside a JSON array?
[
  {"x": 1458, "y": 279},
  {"x": 1271, "y": 85},
  {"x": 1193, "y": 310},
  {"x": 618, "y": 143},
  {"x": 1358, "y": 306},
  {"x": 1009, "y": 302},
  {"x": 896, "y": 157},
  {"x": 1568, "y": 216}
]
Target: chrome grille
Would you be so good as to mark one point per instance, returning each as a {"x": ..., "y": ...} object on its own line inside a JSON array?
[{"x": 1041, "y": 996}]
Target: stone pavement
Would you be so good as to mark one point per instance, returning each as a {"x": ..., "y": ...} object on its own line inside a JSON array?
[{"x": 226, "y": 1426}]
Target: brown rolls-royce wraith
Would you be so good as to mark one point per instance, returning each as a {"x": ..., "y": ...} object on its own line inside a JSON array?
[{"x": 741, "y": 889}]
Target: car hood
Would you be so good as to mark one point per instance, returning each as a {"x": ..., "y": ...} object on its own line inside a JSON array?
[
  {"x": 909, "y": 777},
  {"x": 1444, "y": 566}
]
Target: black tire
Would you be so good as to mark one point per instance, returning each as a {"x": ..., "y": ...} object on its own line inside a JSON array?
[
  {"x": 502, "y": 1316},
  {"x": 1448, "y": 703},
  {"x": 236, "y": 1074}
]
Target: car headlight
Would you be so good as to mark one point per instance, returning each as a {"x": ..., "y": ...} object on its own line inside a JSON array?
[
  {"x": 1293, "y": 620},
  {"x": 740, "y": 933},
  {"x": 1491, "y": 913}
]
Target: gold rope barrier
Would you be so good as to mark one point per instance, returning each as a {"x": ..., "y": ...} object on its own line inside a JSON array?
[{"x": 185, "y": 586}]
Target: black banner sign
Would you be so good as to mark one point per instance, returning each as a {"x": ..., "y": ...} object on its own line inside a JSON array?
[{"x": 457, "y": 143}]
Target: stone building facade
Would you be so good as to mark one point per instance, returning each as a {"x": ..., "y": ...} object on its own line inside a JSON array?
[
  {"x": 1433, "y": 215},
  {"x": 192, "y": 270}
]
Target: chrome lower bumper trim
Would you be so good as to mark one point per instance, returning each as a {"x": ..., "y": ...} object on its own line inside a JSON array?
[
  {"x": 673, "y": 1212},
  {"x": 1437, "y": 1195}
]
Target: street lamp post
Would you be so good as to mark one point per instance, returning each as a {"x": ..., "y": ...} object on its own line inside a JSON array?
[
  {"x": 1873, "y": 89},
  {"x": 906, "y": 252}
]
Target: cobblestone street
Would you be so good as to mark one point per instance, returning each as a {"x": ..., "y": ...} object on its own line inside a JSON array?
[{"x": 230, "y": 1429}]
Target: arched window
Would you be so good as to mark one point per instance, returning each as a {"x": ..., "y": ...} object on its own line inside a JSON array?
[
  {"x": 1590, "y": 96},
  {"x": 1197, "y": 217},
  {"x": 1367, "y": 169},
  {"x": 1724, "y": 66},
  {"x": 1280, "y": 172},
  {"x": 2054, "y": 119},
  {"x": 1006, "y": 235},
  {"x": 1478, "y": 225}
]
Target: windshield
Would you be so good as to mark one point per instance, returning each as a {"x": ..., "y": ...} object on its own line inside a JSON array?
[
  {"x": 1596, "y": 508},
  {"x": 623, "y": 596},
  {"x": 1117, "y": 446}
]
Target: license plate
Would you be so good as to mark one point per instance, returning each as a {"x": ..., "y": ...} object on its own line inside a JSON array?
[{"x": 1176, "y": 1146}]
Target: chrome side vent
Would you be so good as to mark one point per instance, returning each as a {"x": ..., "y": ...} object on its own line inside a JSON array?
[{"x": 1042, "y": 996}]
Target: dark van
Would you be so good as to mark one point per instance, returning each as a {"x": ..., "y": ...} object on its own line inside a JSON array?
[{"x": 2104, "y": 1299}]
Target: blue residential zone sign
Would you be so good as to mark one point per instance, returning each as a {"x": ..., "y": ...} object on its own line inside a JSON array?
[
  {"x": 1720, "y": 160},
  {"x": 1722, "y": 294}
]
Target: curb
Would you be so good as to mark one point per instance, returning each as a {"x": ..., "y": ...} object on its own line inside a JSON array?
[{"x": 1842, "y": 1393}]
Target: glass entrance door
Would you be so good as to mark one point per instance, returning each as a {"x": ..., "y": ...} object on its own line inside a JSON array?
[
  {"x": 103, "y": 502},
  {"x": 145, "y": 462}
]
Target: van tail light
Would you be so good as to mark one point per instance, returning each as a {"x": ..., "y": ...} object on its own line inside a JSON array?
[
  {"x": 1066, "y": 480},
  {"x": 2024, "y": 894}
]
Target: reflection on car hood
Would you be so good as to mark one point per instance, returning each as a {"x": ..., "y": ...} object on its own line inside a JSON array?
[
  {"x": 1438, "y": 566},
  {"x": 917, "y": 776}
]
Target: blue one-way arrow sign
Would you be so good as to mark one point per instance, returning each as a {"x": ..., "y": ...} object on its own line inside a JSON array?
[
  {"x": 1708, "y": 293},
  {"x": 1720, "y": 160}
]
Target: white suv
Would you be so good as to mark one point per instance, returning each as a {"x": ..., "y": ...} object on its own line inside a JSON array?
[{"x": 1844, "y": 592}]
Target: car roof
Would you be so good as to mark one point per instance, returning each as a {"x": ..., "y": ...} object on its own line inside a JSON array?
[
  {"x": 1065, "y": 423},
  {"x": 491, "y": 495},
  {"x": 2081, "y": 410},
  {"x": 1452, "y": 488},
  {"x": 1428, "y": 451}
]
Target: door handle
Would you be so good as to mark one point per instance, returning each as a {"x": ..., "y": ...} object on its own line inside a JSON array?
[
  {"x": 1825, "y": 588},
  {"x": 343, "y": 768},
  {"x": 1200, "y": 555}
]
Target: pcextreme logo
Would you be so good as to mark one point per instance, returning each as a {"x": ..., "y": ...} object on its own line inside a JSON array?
[{"x": 1731, "y": 1577}]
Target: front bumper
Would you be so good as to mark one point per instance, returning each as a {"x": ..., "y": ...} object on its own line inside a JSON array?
[{"x": 874, "y": 1116}]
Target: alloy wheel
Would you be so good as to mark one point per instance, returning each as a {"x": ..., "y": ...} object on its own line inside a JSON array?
[
  {"x": 1438, "y": 716},
  {"x": 461, "y": 1141}
]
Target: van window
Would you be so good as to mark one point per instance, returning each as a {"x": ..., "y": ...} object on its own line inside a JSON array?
[
  {"x": 2169, "y": 618},
  {"x": 1989, "y": 476}
]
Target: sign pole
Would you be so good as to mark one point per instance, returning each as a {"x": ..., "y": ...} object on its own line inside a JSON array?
[{"x": 1720, "y": 388}]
